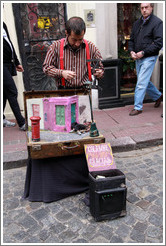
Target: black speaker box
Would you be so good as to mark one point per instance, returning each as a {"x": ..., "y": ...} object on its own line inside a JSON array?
[
  {"x": 107, "y": 195},
  {"x": 109, "y": 92}
]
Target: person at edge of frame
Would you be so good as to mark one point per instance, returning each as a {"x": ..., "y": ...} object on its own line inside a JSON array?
[
  {"x": 145, "y": 42},
  {"x": 11, "y": 65}
]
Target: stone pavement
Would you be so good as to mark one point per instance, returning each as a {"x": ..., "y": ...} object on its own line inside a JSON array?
[
  {"x": 122, "y": 131},
  {"x": 69, "y": 220}
]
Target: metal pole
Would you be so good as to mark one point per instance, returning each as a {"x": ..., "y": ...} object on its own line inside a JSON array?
[{"x": 91, "y": 106}]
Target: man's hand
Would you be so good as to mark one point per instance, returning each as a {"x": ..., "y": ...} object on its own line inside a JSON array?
[
  {"x": 19, "y": 68},
  {"x": 133, "y": 55},
  {"x": 98, "y": 73},
  {"x": 68, "y": 75},
  {"x": 139, "y": 55}
]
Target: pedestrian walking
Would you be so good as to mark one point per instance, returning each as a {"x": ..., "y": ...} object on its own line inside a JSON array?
[
  {"x": 11, "y": 65},
  {"x": 145, "y": 42}
]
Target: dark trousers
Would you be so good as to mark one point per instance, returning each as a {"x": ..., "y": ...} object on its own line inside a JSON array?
[{"x": 10, "y": 93}]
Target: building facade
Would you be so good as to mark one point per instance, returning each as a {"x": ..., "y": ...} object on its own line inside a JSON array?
[{"x": 108, "y": 26}]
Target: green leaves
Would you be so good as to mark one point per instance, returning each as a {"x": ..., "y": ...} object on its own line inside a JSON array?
[{"x": 128, "y": 62}]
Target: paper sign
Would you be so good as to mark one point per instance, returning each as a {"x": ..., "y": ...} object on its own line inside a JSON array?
[{"x": 99, "y": 157}]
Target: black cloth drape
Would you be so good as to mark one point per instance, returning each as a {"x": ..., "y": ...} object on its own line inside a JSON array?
[{"x": 52, "y": 179}]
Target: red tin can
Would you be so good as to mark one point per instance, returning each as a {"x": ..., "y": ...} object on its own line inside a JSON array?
[{"x": 35, "y": 128}]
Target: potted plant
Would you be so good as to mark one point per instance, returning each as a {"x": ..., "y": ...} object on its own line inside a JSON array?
[{"x": 128, "y": 68}]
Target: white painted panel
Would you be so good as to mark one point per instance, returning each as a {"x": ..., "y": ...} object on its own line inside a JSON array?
[{"x": 30, "y": 103}]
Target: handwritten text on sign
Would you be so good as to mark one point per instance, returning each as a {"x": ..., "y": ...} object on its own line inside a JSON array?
[{"x": 99, "y": 157}]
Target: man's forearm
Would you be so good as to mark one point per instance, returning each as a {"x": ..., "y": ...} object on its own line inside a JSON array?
[{"x": 52, "y": 71}]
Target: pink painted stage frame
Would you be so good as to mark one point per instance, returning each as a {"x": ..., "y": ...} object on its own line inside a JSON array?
[{"x": 57, "y": 118}]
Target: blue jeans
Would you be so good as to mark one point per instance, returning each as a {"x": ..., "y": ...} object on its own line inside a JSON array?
[{"x": 144, "y": 68}]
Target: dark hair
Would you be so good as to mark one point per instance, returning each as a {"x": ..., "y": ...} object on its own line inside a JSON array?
[{"x": 75, "y": 24}]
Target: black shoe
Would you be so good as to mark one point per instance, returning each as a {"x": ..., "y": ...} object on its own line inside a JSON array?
[
  {"x": 135, "y": 112},
  {"x": 158, "y": 101}
]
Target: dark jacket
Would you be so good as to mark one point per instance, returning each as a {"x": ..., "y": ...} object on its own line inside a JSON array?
[
  {"x": 147, "y": 37},
  {"x": 8, "y": 57}
]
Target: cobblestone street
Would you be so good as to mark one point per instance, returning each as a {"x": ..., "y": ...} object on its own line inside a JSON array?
[{"x": 69, "y": 220}]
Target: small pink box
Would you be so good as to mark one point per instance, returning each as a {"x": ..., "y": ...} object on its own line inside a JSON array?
[{"x": 60, "y": 113}]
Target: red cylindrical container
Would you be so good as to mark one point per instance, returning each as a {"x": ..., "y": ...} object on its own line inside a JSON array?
[{"x": 35, "y": 127}]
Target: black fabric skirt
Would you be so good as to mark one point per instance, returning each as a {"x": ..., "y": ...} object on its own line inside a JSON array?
[{"x": 52, "y": 179}]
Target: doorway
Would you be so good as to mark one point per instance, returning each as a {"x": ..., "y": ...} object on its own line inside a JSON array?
[
  {"x": 38, "y": 25},
  {"x": 128, "y": 13}
]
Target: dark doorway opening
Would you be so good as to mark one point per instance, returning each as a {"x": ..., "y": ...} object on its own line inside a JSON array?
[
  {"x": 38, "y": 25},
  {"x": 127, "y": 14}
]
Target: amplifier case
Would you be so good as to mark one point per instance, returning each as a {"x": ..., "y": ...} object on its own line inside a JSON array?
[{"x": 107, "y": 195}]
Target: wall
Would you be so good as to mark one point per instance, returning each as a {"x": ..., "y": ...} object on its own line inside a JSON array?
[
  {"x": 7, "y": 11},
  {"x": 77, "y": 9},
  {"x": 106, "y": 25},
  {"x": 103, "y": 35}
]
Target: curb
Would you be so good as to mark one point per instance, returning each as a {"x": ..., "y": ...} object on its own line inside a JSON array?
[
  {"x": 14, "y": 164},
  {"x": 15, "y": 159},
  {"x": 19, "y": 159},
  {"x": 137, "y": 142}
]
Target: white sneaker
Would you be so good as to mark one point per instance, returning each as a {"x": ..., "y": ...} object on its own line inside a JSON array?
[
  {"x": 7, "y": 123},
  {"x": 23, "y": 128}
]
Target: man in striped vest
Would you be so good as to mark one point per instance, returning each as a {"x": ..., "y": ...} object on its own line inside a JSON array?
[{"x": 66, "y": 59}]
